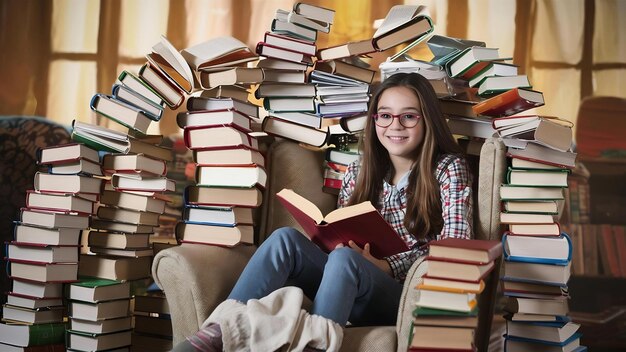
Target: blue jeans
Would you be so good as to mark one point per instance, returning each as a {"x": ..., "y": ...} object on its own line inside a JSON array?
[{"x": 343, "y": 284}]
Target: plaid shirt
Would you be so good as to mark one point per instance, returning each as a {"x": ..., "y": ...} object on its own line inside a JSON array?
[{"x": 456, "y": 200}]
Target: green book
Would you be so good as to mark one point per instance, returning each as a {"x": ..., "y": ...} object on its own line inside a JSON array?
[
  {"x": 433, "y": 312},
  {"x": 32, "y": 335},
  {"x": 537, "y": 177}
]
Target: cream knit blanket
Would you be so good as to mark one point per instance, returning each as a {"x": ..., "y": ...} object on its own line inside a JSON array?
[{"x": 276, "y": 322}]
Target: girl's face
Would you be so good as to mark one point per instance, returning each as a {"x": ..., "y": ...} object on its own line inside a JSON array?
[{"x": 400, "y": 142}]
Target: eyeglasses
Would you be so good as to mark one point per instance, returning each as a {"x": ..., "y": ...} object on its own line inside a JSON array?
[{"x": 407, "y": 119}]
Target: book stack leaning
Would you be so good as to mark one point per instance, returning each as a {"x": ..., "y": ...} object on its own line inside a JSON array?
[
  {"x": 446, "y": 313},
  {"x": 45, "y": 250},
  {"x": 134, "y": 164}
]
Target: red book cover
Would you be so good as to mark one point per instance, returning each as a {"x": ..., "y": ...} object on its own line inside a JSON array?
[
  {"x": 462, "y": 250},
  {"x": 361, "y": 223},
  {"x": 509, "y": 103},
  {"x": 332, "y": 183}
]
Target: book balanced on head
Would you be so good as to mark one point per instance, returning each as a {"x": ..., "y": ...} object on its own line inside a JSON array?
[{"x": 361, "y": 223}]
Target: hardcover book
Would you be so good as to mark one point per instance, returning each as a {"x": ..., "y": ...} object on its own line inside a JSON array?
[
  {"x": 360, "y": 223},
  {"x": 479, "y": 251}
]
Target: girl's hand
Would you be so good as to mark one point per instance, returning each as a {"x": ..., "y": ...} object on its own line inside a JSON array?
[{"x": 365, "y": 251}]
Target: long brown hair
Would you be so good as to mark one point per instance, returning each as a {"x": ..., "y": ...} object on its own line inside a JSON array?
[{"x": 423, "y": 213}]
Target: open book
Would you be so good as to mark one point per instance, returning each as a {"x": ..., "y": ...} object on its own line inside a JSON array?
[{"x": 361, "y": 223}]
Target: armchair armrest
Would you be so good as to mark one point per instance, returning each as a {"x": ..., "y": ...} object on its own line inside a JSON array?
[
  {"x": 196, "y": 278},
  {"x": 407, "y": 303}
]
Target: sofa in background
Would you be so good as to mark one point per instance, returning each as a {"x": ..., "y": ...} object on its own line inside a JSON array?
[
  {"x": 196, "y": 278},
  {"x": 20, "y": 137}
]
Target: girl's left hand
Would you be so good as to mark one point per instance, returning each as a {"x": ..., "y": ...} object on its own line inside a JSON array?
[{"x": 365, "y": 251}]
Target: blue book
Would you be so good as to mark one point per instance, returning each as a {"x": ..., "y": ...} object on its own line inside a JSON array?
[
  {"x": 538, "y": 249},
  {"x": 541, "y": 343}
]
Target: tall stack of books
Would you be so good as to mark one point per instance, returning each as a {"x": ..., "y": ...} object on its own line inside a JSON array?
[
  {"x": 538, "y": 255},
  {"x": 100, "y": 315},
  {"x": 229, "y": 169},
  {"x": 45, "y": 250},
  {"x": 446, "y": 315},
  {"x": 132, "y": 200}
]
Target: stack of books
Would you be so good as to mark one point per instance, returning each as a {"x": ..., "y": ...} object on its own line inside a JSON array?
[
  {"x": 538, "y": 254},
  {"x": 45, "y": 250},
  {"x": 228, "y": 171},
  {"x": 446, "y": 315},
  {"x": 131, "y": 201},
  {"x": 152, "y": 323},
  {"x": 100, "y": 315},
  {"x": 344, "y": 150},
  {"x": 288, "y": 96}
]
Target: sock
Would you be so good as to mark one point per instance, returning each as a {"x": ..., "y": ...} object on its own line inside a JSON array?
[{"x": 207, "y": 339}]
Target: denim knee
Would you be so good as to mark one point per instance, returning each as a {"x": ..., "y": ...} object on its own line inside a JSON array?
[
  {"x": 284, "y": 237},
  {"x": 344, "y": 258}
]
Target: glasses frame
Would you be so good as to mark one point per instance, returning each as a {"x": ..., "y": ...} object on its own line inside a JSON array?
[{"x": 399, "y": 117}]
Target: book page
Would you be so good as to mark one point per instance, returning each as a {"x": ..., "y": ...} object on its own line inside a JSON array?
[
  {"x": 212, "y": 49},
  {"x": 174, "y": 58},
  {"x": 349, "y": 211},
  {"x": 397, "y": 15},
  {"x": 301, "y": 203}
]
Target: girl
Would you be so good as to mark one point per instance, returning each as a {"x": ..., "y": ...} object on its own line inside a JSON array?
[{"x": 412, "y": 171}]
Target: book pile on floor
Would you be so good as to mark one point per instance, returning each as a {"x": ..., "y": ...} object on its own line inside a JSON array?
[
  {"x": 135, "y": 165},
  {"x": 99, "y": 315},
  {"x": 446, "y": 314},
  {"x": 538, "y": 255},
  {"x": 45, "y": 250}
]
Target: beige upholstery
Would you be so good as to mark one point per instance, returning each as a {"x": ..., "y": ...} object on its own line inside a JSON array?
[{"x": 197, "y": 278}]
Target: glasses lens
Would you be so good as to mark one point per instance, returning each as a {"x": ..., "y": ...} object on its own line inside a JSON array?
[
  {"x": 409, "y": 120},
  {"x": 383, "y": 120}
]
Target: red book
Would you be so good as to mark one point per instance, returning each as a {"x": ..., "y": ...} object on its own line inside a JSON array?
[
  {"x": 332, "y": 183},
  {"x": 509, "y": 103},
  {"x": 457, "y": 249},
  {"x": 361, "y": 223}
]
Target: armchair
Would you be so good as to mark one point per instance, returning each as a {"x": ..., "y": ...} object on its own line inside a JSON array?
[{"x": 197, "y": 278}]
